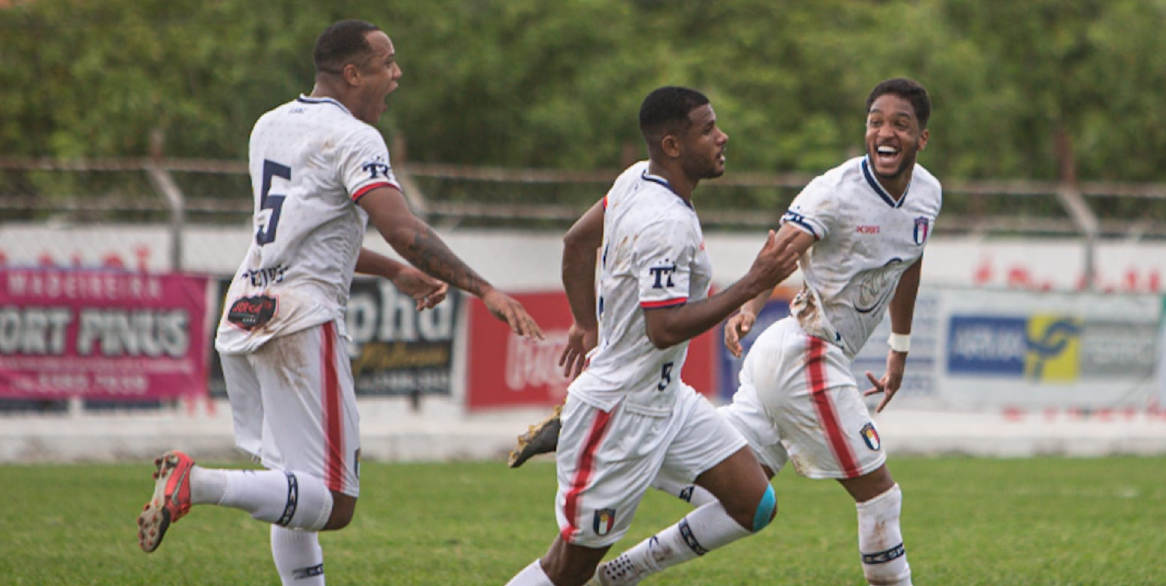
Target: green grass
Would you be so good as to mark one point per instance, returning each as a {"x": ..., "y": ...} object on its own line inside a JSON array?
[{"x": 1047, "y": 521}]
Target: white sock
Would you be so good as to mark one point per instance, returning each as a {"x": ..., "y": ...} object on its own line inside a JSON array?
[
  {"x": 289, "y": 499},
  {"x": 532, "y": 575},
  {"x": 207, "y": 485},
  {"x": 880, "y": 541},
  {"x": 691, "y": 493},
  {"x": 298, "y": 556},
  {"x": 698, "y": 533}
]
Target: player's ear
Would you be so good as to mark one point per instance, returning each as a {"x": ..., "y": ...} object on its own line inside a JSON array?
[
  {"x": 923, "y": 136},
  {"x": 351, "y": 73},
  {"x": 670, "y": 145}
]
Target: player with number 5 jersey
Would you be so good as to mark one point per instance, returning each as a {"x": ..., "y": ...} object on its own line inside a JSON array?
[
  {"x": 311, "y": 160},
  {"x": 320, "y": 172},
  {"x": 652, "y": 257},
  {"x": 628, "y": 415},
  {"x": 859, "y": 231}
]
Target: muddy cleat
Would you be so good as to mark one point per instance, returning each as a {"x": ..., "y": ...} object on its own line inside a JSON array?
[
  {"x": 171, "y": 499},
  {"x": 542, "y": 438}
]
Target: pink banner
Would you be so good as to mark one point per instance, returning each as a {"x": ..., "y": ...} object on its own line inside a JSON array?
[{"x": 107, "y": 335}]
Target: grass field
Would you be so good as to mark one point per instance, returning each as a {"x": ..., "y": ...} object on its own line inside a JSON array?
[{"x": 1047, "y": 521}]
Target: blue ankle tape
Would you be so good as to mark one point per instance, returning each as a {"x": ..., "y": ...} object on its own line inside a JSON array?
[{"x": 765, "y": 508}]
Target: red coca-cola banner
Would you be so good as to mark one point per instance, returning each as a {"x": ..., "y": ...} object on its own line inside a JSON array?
[
  {"x": 101, "y": 334},
  {"x": 508, "y": 371}
]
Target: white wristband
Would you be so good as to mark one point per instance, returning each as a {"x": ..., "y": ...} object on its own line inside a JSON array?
[{"x": 900, "y": 342}]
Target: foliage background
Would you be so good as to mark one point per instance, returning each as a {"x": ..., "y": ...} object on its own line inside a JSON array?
[{"x": 557, "y": 84}]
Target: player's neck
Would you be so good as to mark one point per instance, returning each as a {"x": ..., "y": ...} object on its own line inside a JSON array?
[
  {"x": 895, "y": 186},
  {"x": 678, "y": 182},
  {"x": 324, "y": 90}
]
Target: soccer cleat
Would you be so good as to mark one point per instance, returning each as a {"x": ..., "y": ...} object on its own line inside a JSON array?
[
  {"x": 542, "y": 438},
  {"x": 617, "y": 572},
  {"x": 171, "y": 500}
]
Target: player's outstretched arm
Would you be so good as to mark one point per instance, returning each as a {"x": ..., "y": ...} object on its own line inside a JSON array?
[
  {"x": 417, "y": 243},
  {"x": 672, "y": 325},
  {"x": 902, "y": 310},
  {"x": 796, "y": 242},
  {"x": 426, "y": 291}
]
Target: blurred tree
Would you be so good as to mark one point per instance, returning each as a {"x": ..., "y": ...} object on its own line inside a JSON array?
[{"x": 533, "y": 83}]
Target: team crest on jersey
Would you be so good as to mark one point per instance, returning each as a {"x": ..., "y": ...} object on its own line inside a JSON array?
[
  {"x": 604, "y": 520},
  {"x": 870, "y": 435},
  {"x": 922, "y": 228}
]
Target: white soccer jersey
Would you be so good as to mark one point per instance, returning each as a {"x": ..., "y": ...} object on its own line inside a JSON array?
[
  {"x": 310, "y": 161},
  {"x": 865, "y": 241},
  {"x": 652, "y": 256}
]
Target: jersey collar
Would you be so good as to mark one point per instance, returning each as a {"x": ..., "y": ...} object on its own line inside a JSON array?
[
  {"x": 309, "y": 100},
  {"x": 662, "y": 181},
  {"x": 878, "y": 187}
]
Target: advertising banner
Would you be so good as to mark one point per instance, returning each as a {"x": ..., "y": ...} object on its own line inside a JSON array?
[
  {"x": 106, "y": 335},
  {"x": 507, "y": 371},
  {"x": 395, "y": 350},
  {"x": 1048, "y": 350}
]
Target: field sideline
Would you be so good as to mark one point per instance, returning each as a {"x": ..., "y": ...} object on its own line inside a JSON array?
[{"x": 967, "y": 522}]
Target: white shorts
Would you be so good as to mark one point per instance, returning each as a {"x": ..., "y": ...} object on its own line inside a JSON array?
[
  {"x": 294, "y": 406},
  {"x": 606, "y": 460},
  {"x": 798, "y": 400}
]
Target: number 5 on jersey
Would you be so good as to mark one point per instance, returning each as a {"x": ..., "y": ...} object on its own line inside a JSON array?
[
  {"x": 665, "y": 376},
  {"x": 270, "y": 201}
]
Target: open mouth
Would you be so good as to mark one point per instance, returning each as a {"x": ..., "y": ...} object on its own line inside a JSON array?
[{"x": 886, "y": 154}]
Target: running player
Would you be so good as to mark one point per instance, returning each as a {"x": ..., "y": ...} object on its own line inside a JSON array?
[
  {"x": 629, "y": 416},
  {"x": 319, "y": 172},
  {"x": 860, "y": 231}
]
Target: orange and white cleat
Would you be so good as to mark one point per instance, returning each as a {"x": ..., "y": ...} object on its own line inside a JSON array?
[{"x": 171, "y": 500}]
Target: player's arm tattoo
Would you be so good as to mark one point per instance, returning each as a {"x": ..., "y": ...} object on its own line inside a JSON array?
[{"x": 427, "y": 252}]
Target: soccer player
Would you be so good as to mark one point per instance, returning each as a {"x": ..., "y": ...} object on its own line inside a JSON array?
[
  {"x": 859, "y": 230},
  {"x": 319, "y": 171},
  {"x": 628, "y": 415}
]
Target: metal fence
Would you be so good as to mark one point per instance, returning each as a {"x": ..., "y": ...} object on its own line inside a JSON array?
[{"x": 218, "y": 191}]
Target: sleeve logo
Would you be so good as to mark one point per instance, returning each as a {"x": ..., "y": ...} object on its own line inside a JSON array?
[
  {"x": 378, "y": 167},
  {"x": 663, "y": 274}
]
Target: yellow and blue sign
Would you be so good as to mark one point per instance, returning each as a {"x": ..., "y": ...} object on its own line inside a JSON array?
[
  {"x": 1039, "y": 347},
  {"x": 1054, "y": 348}
]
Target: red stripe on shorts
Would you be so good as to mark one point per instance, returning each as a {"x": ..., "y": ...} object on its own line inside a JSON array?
[
  {"x": 333, "y": 415},
  {"x": 583, "y": 471},
  {"x": 816, "y": 371}
]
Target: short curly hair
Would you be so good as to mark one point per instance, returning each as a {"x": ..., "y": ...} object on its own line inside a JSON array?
[
  {"x": 666, "y": 110},
  {"x": 342, "y": 43},
  {"x": 909, "y": 90}
]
